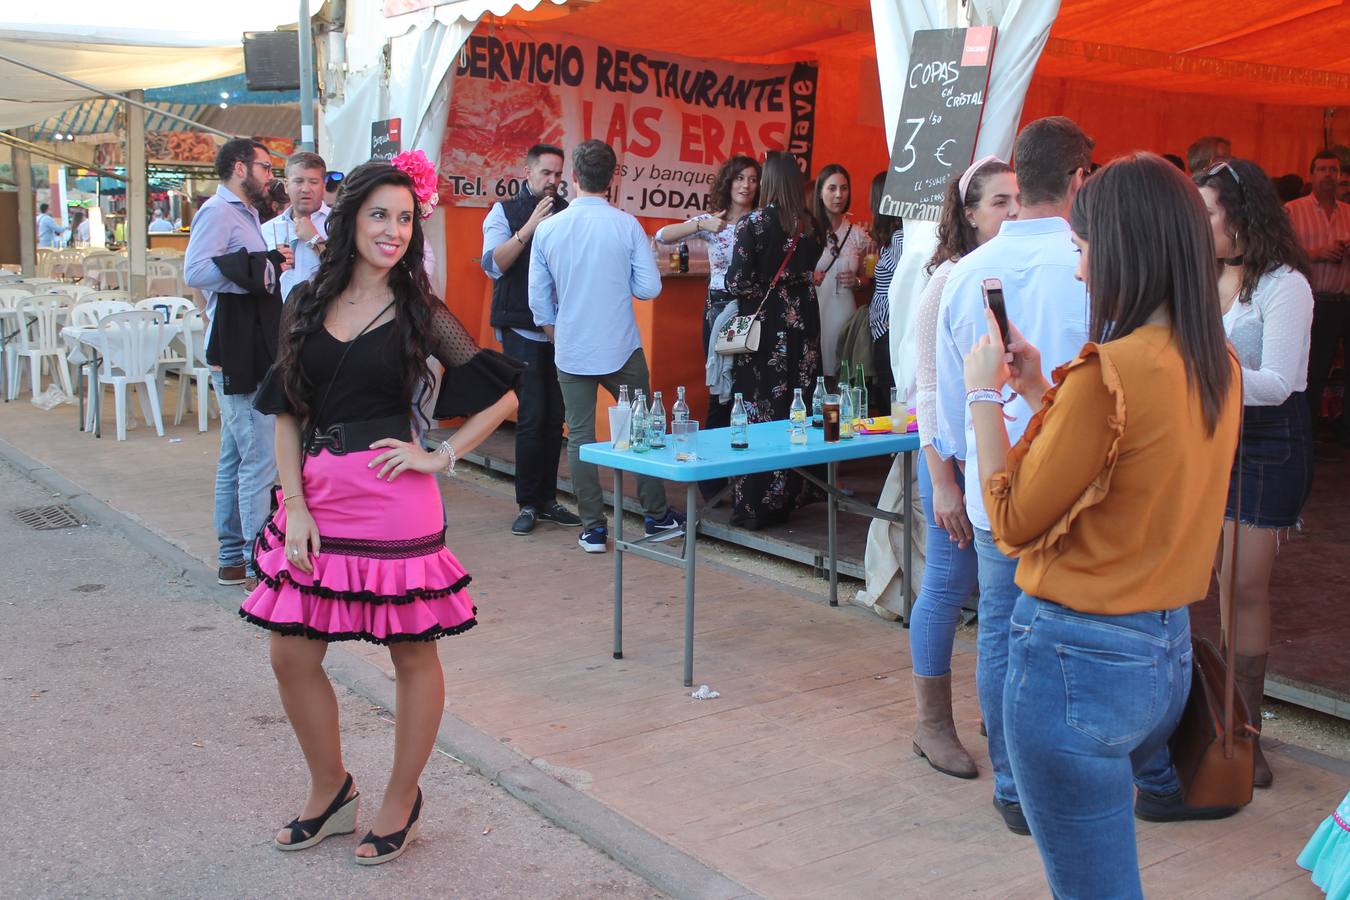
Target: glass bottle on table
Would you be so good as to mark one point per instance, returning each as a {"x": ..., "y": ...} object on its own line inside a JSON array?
[
  {"x": 740, "y": 425},
  {"x": 639, "y": 439},
  {"x": 846, "y": 414},
  {"x": 818, "y": 403},
  {"x": 680, "y": 411},
  {"x": 843, "y": 376},
  {"x": 797, "y": 417},
  {"x": 656, "y": 423},
  {"x": 860, "y": 382}
]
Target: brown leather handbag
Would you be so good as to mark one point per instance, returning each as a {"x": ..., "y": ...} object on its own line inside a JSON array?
[{"x": 1213, "y": 747}]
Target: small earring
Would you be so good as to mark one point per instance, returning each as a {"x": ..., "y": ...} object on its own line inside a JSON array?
[{"x": 351, "y": 254}]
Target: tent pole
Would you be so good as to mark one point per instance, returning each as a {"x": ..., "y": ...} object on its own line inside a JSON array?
[
  {"x": 23, "y": 175},
  {"x": 136, "y": 197},
  {"x": 307, "y": 136}
]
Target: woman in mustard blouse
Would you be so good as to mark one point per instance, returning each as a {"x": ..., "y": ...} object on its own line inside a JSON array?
[{"x": 1113, "y": 503}]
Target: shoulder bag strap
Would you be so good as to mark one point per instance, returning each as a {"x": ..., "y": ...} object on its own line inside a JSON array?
[
  {"x": 1230, "y": 653},
  {"x": 792, "y": 247},
  {"x": 308, "y": 438}
]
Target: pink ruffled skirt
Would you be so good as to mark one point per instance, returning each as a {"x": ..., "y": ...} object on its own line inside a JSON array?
[{"x": 383, "y": 573}]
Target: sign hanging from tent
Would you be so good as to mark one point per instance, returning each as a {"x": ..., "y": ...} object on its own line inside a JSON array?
[
  {"x": 672, "y": 120},
  {"x": 386, "y": 139},
  {"x": 939, "y": 118}
]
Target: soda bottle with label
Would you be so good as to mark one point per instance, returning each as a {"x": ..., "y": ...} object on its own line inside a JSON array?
[
  {"x": 797, "y": 416},
  {"x": 846, "y": 415},
  {"x": 740, "y": 425},
  {"x": 680, "y": 411},
  {"x": 684, "y": 257},
  {"x": 818, "y": 403},
  {"x": 656, "y": 423},
  {"x": 639, "y": 439}
]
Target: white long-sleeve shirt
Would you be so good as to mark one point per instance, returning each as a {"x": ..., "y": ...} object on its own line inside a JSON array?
[{"x": 1270, "y": 334}]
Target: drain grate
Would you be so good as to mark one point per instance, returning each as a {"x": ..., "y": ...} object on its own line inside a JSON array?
[{"x": 49, "y": 518}]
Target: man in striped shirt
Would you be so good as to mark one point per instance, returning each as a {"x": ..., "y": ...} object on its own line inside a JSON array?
[{"x": 1322, "y": 224}]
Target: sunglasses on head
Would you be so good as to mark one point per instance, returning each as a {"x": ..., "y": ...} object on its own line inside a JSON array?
[
  {"x": 333, "y": 179},
  {"x": 1214, "y": 170}
]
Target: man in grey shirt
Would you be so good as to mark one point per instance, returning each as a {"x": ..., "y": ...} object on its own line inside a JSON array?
[{"x": 587, "y": 263}]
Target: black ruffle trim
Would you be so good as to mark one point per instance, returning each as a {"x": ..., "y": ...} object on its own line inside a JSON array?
[
  {"x": 410, "y": 548},
  {"x": 300, "y": 628},
  {"x": 476, "y": 385},
  {"x": 277, "y": 581}
]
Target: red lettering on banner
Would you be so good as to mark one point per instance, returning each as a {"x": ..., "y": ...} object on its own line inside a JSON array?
[
  {"x": 691, "y": 139},
  {"x": 647, "y": 140},
  {"x": 712, "y": 141},
  {"x": 617, "y": 135},
  {"x": 773, "y": 136},
  {"x": 587, "y": 110},
  {"x": 741, "y": 144}
]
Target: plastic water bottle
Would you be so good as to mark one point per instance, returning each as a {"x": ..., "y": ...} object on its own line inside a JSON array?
[
  {"x": 818, "y": 403},
  {"x": 797, "y": 416},
  {"x": 680, "y": 411},
  {"x": 639, "y": 439},
  {"x": 656, "y": 423},
  {"x": 846, "y": 415},
  {"x": 740, "y": 425}
]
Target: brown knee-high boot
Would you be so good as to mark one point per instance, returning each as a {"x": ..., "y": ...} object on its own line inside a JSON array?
[
  {"x": 935, "y": 736},
  {"x": 1250, "y": 676}
]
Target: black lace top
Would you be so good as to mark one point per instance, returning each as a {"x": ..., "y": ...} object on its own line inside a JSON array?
[{"x": 369, "y": 384}]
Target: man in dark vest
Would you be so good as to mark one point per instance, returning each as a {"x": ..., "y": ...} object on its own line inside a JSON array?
[{"x": 507, "y": 232}]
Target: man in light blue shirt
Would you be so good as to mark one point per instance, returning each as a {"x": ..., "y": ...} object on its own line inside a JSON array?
[
  {"x": 225, "y": 224},
  {"x": 303, "y": 227},
  {"x": 1035, "y": 259},
  {"x": 159, "y": 224},
  {"x": 587, "y": 263},
  {"x": 48, "y": 231}
]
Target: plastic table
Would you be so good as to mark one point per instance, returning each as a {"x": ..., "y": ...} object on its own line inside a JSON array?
[{"x": 770, "y": 449}]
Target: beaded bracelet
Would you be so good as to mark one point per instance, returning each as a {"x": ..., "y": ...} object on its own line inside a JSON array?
[
  {"x": 449, "y": 453},
  {"x": 287, "y": 498},
  {"x": 984, "y": 395}
]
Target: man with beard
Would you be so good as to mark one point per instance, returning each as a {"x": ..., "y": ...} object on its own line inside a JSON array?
[
  {"x": 226, "y": 224},
  {"x": 303, "y": 226},
  {"x": 508, "y": 232},
  {"x": 1322, "y": 223}
]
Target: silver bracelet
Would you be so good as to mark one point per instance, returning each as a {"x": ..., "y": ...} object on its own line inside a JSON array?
[
  {"x": 449, "y": 453},
  {"x": 984, "y": 395}
]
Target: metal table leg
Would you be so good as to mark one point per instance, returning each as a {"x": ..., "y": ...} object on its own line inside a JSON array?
[
  {"x": 618, "y": 564},
  {"x": 690, "y": 534},
  {"x": 79, "y": 390},
  {"x": 97, "y": 399},
  {"x": 907, "y": 555},
  {"x": 831, "y": 475}
]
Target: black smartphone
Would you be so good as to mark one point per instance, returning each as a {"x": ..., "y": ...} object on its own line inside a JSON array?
[{"x": 992, "y": 289}]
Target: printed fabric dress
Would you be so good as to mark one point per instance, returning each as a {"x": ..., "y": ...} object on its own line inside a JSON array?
[
  {"x": 788, "y": 355},
  {"x": 1327, "y": 855},
  {"x": 383, "y": 573}
]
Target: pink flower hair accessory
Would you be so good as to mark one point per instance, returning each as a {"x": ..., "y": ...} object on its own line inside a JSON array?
[{"x": 415, "y": 165}]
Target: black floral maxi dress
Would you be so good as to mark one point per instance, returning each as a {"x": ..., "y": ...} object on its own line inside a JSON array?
[{"x": 788, "y": 355}]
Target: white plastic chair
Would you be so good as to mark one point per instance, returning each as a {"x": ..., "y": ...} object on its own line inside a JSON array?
[
  {"x": 74, "y": 292},
  {"x": 196, "y": 369},
  {"x": 35, "y": 283},
  {"x": 10, "y": 295},
  {"x": 39, "y": 339},
  {"x": 123, "y": 296},
  {"x": 90, "y": 312},
  {"x": 172, "y": 309},
  {"x": 177, "y": 307},
  {"x": 161, "y": 270},
  {"x": 130, "y": 342}
]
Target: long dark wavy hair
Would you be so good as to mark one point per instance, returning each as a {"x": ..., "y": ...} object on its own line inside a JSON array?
[
  {"x": 407, "y": 282},
  {"x": 719, "y": 198},
  {"x": 956, "y": 236},
  {"x": 818, "y": 202},
  {"x": 780, "y": 186},
  {"x": 1150, "y": 247},
  {"x": 1257, "y": 223}
]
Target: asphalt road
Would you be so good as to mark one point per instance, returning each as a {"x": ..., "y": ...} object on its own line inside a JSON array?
[{"x": 144, "y": 751}]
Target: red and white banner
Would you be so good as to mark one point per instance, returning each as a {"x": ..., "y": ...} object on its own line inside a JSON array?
[{"x": 671, "y": 119}]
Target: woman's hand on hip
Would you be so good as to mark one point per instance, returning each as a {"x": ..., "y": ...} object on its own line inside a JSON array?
[
  {"x": 403, "y": 456},
  {"x": 302, "y": 538}
]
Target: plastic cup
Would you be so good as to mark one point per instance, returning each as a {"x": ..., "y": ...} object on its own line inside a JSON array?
[
  {"x": 620, "y": 418},
  {"x": 899, "y": 415},
  {"x": 685, "y": 437}
]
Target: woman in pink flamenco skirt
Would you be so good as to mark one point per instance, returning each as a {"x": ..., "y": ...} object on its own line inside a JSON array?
[{"x": 356, "y": 549}]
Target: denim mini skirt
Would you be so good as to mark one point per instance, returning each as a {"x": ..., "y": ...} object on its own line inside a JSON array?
[{"x": 1275, "y": 464}]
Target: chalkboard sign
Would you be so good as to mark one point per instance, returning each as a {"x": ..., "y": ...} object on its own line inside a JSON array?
[
  {"x": 939, "y": 118},
  {"x": 386, "y": 139}
]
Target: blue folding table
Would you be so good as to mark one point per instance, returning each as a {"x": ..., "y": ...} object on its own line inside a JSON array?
[{"x": 770, "y": 449}]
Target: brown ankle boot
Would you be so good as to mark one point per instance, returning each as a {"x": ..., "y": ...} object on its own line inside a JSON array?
[
  {"x": 935, "y": 735},
  {"x": 1250, "y": 676}
]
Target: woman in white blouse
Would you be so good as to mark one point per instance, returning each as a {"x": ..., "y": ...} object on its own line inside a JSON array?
[
  {"x": 976, "y": 205},
  {"x": 846, "y": 243},
  {"x": 1267, "y": 312}
]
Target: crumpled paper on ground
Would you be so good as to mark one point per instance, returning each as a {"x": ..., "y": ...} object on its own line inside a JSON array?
[
  {"x": 51, "y": 398},
  {"x": 705, "y": 693}
]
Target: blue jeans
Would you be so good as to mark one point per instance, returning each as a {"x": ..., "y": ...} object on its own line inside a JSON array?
[
  {"x": 244, "y": 475},
  {"x": 998, "y": 594},
  {"x": 949, "y": 577},
  {"x": 1090, "y": 704}
]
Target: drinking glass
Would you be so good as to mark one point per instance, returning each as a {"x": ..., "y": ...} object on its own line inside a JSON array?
[
  {"x": 620, "y": 420},
  {"x": 830, "y": 409},
  {"x": 685, "y": 435}
]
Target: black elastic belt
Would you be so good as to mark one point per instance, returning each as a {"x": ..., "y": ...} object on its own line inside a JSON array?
[
  {"x": 353, "y": 437},
  {"x": 1330, "y": 295}
]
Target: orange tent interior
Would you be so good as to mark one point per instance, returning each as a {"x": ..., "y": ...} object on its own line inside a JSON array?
[{"x": 1154, "y": 75}]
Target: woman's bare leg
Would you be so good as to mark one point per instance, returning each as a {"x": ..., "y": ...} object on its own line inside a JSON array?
[{"x": 1257, "y": 560}]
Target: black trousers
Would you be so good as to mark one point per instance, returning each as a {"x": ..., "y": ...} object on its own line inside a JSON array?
[
  {"x": 1330, "y": 325},
  {"x": 539, "y": 421}
]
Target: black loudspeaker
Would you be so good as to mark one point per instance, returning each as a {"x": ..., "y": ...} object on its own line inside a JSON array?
[{"x": 272, "y": 60}]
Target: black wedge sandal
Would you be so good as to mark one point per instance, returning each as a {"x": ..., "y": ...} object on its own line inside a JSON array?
[
  {"x": 391, "y": 846},
  {"x": 338, "y": 818}
]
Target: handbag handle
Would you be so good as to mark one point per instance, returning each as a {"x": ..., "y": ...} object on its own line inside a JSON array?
[
  {"x": 792, "y": 248},
  {"x": 313, "y": 423},
  {"x": 1230, "y": 637}
]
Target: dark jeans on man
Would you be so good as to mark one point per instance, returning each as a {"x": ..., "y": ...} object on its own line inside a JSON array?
[
  {"x": 1330, "y": 325},
  {"x": 539, "y": 421}
]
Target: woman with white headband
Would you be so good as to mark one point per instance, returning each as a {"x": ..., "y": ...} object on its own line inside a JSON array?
[{"x": 974, "y": 208}]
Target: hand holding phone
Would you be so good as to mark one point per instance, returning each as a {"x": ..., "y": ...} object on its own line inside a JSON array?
[{"x": 992, "y": 288}]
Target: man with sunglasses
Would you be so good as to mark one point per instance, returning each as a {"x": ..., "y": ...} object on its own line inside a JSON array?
[
  {"x": 1322, "y": 223},
  {"x": 332, "y": 186},
  {"x": 227, "y": 228}
]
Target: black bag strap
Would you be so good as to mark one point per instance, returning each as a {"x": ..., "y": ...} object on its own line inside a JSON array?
[
  {"x": 312, "y": 424},
  {"x": 1230, "y": 638},
  {"x": 792, "y": 248}
]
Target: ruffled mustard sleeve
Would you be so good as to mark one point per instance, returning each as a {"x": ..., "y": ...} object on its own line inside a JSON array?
[{"x": 1064, "y": 461}]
